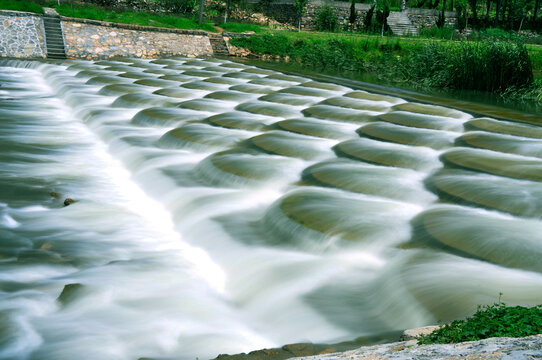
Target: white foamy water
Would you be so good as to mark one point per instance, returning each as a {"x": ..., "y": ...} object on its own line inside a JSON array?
[{"x": 220, "y": 208}]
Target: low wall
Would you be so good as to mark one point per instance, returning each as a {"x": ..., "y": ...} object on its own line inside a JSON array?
[
  {"x": 340, "y": 8},
  {"x": 90, "y": 39},
  {"x": 426, "y": 18},
  {"x": 419, "y": 17},
  {"x": 21, "y": 35}
]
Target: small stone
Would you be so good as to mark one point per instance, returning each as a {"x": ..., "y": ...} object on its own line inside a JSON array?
[
  {"x": 68, "y": 201},
  {"x": 411, "y": 334}
]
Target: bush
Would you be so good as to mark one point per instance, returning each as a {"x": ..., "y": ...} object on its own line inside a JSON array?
[
  {"x": 326, "y": 20},
  {"x": 434, "y": 32},
  {"x": 369, "y": 18},
  {"x": 440, "y": 20},
  {"x": 495, "y": 320},
  {"x": 179, "y": 6}
]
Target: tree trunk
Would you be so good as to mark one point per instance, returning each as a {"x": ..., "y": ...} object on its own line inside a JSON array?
[
  {"x": 488, "y": 9},
  {"x": 497, "y": 11},
  {"x": 521, "y": 23},
  {"x": 200, "y": 18},
  {"x": 473, "y": 5},
  {"x": 226, "y": 13},
  {"x": 503, "y": 12},
  {"x": 508, "y": 18},
  {"x": 536, "y": 6}
]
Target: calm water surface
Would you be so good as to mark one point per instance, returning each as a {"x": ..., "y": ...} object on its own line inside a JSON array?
[{"x": 221, "y": 208}]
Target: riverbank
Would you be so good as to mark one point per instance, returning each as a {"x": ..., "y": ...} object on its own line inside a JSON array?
[
  {"x": 504, "y": 67},
  {"x": 526, "y": 348}
]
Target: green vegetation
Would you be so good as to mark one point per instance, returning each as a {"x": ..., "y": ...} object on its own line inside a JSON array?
[
  {"x": 137, "y": 18},
  {"x": 20, "y": 5},
  {"x": 495, "y": 320},
  {"x": 434, "y": 32},
  {"x": 483, "y": 65},
  {"x": 240, "y": 28},
  {"x": 480, "y": 65},
  {"x": 326, "y": 20}
]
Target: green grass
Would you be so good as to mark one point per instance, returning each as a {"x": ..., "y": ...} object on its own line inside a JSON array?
[
  {"x": 497, "y": 320},
  {"x": 469, "y": 65},
  {"x": 240, "y": 28},
  {"x": 136, "y": 18},
  {"x": 19, "y": 5}
]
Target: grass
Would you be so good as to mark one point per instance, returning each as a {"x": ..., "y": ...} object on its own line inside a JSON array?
[
  {"x": 19, "y": 5},
  {"x": 471, "y": 65},
  {"x": 497, "y": 320},
  {"x": 94, "y": 12},
  {"x": 496, "y": 66},
  {"x": 240, "y": 28}
]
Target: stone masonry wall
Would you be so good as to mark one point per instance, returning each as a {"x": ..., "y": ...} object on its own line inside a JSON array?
[
  {"x": 426, "y": 18},
  {"x": 90, "y": 39},
  {"x": 21, "y": 35},
  {"x": 340, "y": 8},
  {"x": 419, "y": 17}
]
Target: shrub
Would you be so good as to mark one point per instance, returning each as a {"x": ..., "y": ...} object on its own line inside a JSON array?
[
  {"x": 440, "y": 20},
  {"x": 444, "y": 32},
  {"x": 495, "y": 320},
  {"x": 179, "y": 6},
  {"x": 369, "y": 18},
  {"x": 326, "y": 20}
]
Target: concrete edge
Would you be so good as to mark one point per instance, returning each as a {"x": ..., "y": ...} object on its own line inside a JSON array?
[{"x": 19, "y": 13}]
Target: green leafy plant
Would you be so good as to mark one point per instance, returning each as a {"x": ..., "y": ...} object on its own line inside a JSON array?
[
  {"x": 326, "y": 20},
  {"x": 497, "y": 320}
]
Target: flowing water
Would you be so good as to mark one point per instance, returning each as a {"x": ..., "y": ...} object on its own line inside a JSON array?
[{"x": 221, "y": 208}]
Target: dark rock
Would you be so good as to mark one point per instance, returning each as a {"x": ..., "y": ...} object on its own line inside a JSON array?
[
  {"x": 68, "y": 201},
  {"x": 55, "y": 195},
  {"x": 70, "y": 293}
]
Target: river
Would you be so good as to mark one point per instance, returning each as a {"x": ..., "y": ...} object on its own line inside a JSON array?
[{"x": 220, "y": 207}]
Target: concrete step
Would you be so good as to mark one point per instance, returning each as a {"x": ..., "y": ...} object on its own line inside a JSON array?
[
  {"x": 53, "y": 37},
  {"x": 218, "y": 44}
]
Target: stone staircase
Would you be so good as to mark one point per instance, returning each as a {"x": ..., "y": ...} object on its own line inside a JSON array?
[
  {"x": 219, "y": 45},
  {"x": 400, "y": 24},
  {"x": 53, "y": 37}
]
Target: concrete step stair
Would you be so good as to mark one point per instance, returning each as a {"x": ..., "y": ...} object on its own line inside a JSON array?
[
  {"x": 53, "y": 37},
  {"x": 400, "y": 24},
  {"x": 219, "y": 45}
]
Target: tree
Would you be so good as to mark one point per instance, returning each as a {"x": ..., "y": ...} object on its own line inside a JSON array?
[
  {"x": 369, "y": 16},
  {"x": 200, "y": 18},
  {"x": 473, "y": 5},
  {"x": 353, "y": 13},
  {"x": 227, "y": 11},
  {"x": 300, "y": 7}
]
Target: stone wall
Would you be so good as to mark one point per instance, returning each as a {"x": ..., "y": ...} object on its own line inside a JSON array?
[
  {"x": 419, "y": 17},
  {"x": 426, "y": 18},
  {"x": 21, "y": 35},
  {"x": 341, "y": 10},
  {"x": 90, "y": 39}
]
